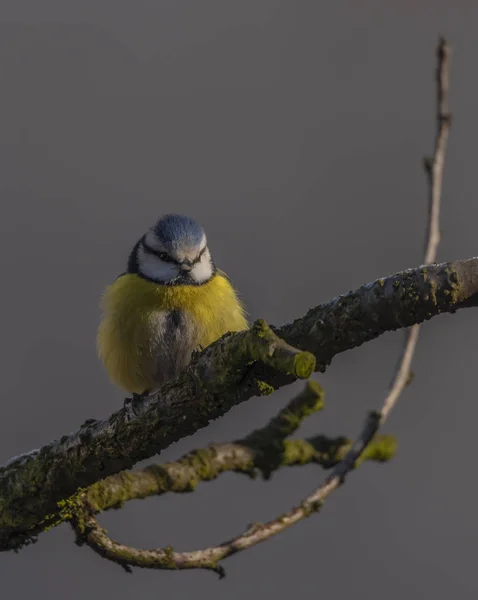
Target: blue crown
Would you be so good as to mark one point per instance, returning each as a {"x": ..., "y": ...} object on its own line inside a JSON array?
[{"x": 178, "y": 230}]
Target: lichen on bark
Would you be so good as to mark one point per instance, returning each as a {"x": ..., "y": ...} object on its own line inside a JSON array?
[{"x": 234, "y": 369}]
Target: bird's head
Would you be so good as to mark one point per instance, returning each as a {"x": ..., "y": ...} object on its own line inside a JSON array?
[{"x": 174, "y": 251}]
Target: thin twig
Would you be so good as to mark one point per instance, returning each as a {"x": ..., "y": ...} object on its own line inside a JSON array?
[
  {"x": 434, "y": 166},
  {"x": 434, "y": 170}
]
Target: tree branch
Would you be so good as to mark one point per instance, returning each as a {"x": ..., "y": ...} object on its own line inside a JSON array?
[
  {"x": 265, "y": 450},
  {"x": 434, "y": 171},
  {"x": 220, "y": 377},
  {"x": 43, "y": 487}
]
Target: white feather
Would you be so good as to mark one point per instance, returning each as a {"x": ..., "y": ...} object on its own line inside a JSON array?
[
  {"x": 202, "y": 270},
  {"x": 153, "y": 267}
]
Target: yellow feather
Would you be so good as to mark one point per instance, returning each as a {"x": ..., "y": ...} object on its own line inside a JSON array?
[{"x": 131, "y": 305}]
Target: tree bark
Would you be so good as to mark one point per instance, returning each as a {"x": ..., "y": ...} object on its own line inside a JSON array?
[{"x": 33, "y": 486}]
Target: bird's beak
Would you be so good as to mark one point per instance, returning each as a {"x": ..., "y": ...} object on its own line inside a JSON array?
[{"x": 186, "y": 266}]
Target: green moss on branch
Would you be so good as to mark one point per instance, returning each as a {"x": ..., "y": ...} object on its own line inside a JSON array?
[
  {"x": 387, "y": 304},
  {"x": 230, "y": 371},
  {"x": 264, "y": 451}
]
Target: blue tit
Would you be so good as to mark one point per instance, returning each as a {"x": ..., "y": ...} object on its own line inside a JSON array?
[{"x": 171, "y": 301}]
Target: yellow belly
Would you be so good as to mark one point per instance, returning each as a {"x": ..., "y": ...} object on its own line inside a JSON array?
[{"x": 131, "y": 306}]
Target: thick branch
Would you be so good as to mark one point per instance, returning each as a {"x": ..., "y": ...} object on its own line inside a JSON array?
[
  {"x": 219, "y": 378},
  {"x": 234, "y": 369},
  {"x": 264, "y": 450}
]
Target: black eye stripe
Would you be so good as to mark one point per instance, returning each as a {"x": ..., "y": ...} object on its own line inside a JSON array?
[
  {"x": 199, "y": 256},
  {"x": 164, "y": 256}
]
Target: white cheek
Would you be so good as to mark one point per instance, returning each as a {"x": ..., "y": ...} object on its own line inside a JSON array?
[
  {"x": 202, "y": 271},
  {"x": 154, "y": 268}
]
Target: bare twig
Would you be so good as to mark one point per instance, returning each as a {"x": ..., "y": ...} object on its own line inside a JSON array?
[
  {"x": 434, "y": 171},
  {"x": 434, "y": 166}
]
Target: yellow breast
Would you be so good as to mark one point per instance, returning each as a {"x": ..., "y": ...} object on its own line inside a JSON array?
[{"x": 131, "y": 306}]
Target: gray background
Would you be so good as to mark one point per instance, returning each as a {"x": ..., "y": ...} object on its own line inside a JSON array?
[{"x": 294, "y": 132}]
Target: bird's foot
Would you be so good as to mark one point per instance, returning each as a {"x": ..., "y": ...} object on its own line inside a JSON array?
[
  {"x": 197, "y": 351},
  {"x": 132, "y": 404}
]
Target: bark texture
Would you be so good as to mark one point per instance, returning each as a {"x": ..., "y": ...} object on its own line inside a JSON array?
[{"x": 234, "y": 369}]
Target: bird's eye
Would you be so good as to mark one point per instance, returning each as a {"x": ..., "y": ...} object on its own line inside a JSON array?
[
  {"x": 165, "y": 257},
  {"x": 200, "y": 255}
]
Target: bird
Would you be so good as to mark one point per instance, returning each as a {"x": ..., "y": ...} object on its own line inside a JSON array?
[{"x": 171, "y": 301}]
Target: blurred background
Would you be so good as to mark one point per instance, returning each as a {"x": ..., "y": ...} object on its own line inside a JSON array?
[{"x": 294, "y": 132}]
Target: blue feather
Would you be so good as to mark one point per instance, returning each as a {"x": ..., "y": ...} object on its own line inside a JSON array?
[{"x": 176, "y": 231}]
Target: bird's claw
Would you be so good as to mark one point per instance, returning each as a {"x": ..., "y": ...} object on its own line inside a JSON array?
[{"x": 133, "y": 403}]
